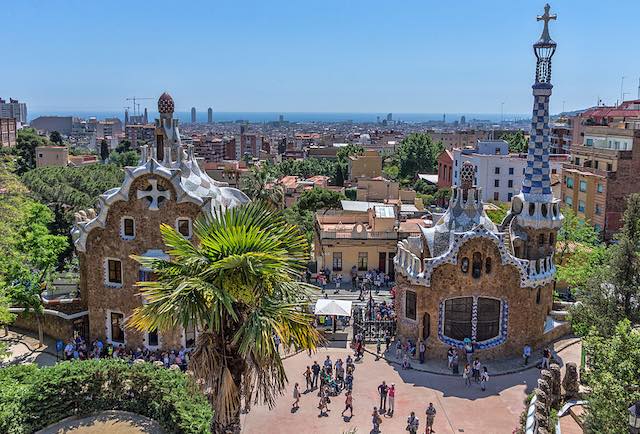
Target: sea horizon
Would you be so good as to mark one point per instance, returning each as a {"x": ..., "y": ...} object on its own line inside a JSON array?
[{"x": 298, "y": 117}]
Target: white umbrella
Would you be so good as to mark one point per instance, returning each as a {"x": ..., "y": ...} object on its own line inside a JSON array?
[{"x": 325, "y": 306}]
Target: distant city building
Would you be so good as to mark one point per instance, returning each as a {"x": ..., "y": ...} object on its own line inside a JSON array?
[
  {"x": 368, "y": 165},
  {"x": 445, "y": 169},
  {"x": 497, "y": 172},
  {"x": 47, "y": 156},
  {"x": 193, "y": 115},
  {"x": 458, "y": 138},
  {"x": 137, "y": 134},
  {"x": 8, "y": 128},
  {"x": 251, "y": 144},
  {"x": 209, "y": 147},
  {"x": 281, "y": 118},
  {"x": 389, "y": 117},
  {"x": 210, "y": 115},
  {"x": 13, "y": 109},
  {"x": 561, "y": 136},
  {"x": 47, "y": 124}
]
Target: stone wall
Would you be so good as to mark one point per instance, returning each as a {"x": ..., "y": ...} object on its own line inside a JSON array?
[
  {"x": 107, "y": 243},
  {"x": 53, "y": 326},
  {"x": 526, "y": 317}
]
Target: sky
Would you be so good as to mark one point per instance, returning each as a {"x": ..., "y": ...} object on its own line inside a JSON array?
[{"x": 408, "y": 56}]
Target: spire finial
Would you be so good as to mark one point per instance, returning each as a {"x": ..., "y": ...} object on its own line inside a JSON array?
[{"x": 546, "y": 17}]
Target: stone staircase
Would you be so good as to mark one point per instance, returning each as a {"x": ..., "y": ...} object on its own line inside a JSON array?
[
  {"x": 572, "y": 422},
  {"x": 560, "y": 310}
]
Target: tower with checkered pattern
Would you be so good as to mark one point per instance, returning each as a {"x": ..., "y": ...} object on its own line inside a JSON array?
[{"x": 535, "y": 214}]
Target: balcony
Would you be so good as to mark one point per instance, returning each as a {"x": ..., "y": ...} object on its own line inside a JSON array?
[{"x": 355, "y": 235}]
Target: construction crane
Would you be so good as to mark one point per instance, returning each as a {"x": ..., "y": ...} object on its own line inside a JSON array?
[{"x": 136, "y": 106}]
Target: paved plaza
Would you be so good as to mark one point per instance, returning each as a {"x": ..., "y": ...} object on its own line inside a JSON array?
[{"x": 459, "y": 409}]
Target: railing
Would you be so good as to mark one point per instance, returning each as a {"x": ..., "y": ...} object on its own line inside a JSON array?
[
  {"x": 364, "y": 235},
  {"x": 372, "y": 330}
]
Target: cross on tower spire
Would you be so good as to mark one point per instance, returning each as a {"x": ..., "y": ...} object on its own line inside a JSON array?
[{"x": 546, "y": 17}]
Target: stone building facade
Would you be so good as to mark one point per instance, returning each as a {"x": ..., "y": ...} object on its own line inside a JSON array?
[
  {"x": 467, "y": 281},
  {"x": 167, "y": 187}
]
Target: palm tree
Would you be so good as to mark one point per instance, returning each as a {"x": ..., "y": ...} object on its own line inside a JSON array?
[
  {"x": 238, "y": 284},
  {"x": 260, "y": 184}
]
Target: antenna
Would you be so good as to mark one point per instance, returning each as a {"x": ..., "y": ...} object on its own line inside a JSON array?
[
  {"x": 638, "y": 88},
  {"x": 621, "y": 89}
]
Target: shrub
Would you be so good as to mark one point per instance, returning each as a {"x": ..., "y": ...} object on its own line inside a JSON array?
[{"x": 32, "y": 398}]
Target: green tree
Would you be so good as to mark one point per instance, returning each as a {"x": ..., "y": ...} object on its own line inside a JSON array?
[
  {"x": 124, "y": 159},
  {"x": 6, "y": 318},
  {"x": 517, "y": 142},
  {"x": 614, "y": 378},
  {"x": 123, "y": 146},
  {"x": 55, "y": 138},
  {"x": 26, "y": 143},
  {"x": 261, "y": 184},
  {"x": 239, "y": 285},
  {"x": 417, "y": 154},
  {"x": 319, "y": 198},
  {"x": 574, "y": 232},
  {"x": 104, "y": 150}
]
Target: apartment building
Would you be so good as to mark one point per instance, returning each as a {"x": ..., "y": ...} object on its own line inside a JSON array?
[
  {"x": 445, "y": 169},
  {"x": 368, "y": 165},
  {"x": 137, "y": 134},
  {"x": 47, "y": 156},
  {"x": 209, "y": 147},
  {"x": 13, "y": 109},
  {"x": 8, "y": 132},
  {"x": 603, "y": 171},
  {"x": 498, "y": 172}
]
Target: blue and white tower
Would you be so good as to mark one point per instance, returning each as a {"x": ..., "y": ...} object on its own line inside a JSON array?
[{"x": 535, "y": 214}]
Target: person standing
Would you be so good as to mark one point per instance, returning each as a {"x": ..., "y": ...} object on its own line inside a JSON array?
[
  {"x": 348, "y": 403},
  {"x": 468, "y": 350},
  {"x": 376, "y": 420},
  {"x": 476, "y": 370},
  {"x": 387, "y": 340},
  {"x": 392, "y": 396},
  {"x": 431, "y": 416},
  {"x": 307, "y": 376},
  {"x": 450, "y": 353},
  {"x": 413, "y": 423},
  {"x": 315, "y": 368},
  {"x": 296, "y": 397},
  {"x": 526, "y": 353},
  {"x": 421, "y": 350},
  {"x": 484, "y": 378},
  {"x": 546, "y": 358},
  {"x": 328, "y": 365},
  {"x": 323, "y": 402},
  {"x": 466, "y": 374},
  {"x": 455, "y": 364},
  {"x": 383, "y": 390}
]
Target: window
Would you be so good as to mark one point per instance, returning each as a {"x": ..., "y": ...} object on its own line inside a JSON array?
[
  {"x": 552, "y": 240},
  {"x": 598, "y": 210},
  {"x": 577, "y": 161},
  {"x": 464, "y": 265},
  {"x": 569, "y": 182},
  {"x": 554, "y": 171},
  {"x": 509, "y": 197},
  {"x": 128, "y": 228},
  {"x": 114, "y": 271},
  {"x": 496, "y": 171},
  {"x": 363, "y": 261},
  {"x": 410, "y": 305},
  {"x": 146, "y": 275},
  {"x": 496, "y": 196},
  {"x": 496, "y": 183},
  {"x": 510, "y": 183},
  {"x": 183, "y": 225},
  {"x": 588, "y": 142},
  {"x": 583, "y": 185},
  {"x": 152, "y": 339},
  {"x": 337, "y": 261},
  {"x": 600, "y": 188},
  {"x": 538, "y": 295},
  {"x": 568, "y": 200},
  {"x": 426, "y": 326},
  {"x": 510, "y": 170},
  {"x": 487, "y": 265},
  {"x": 488, "y": 314},
  {"x": 116, "y": 329},
  {"x": 540, "y": 240},
  {"x": 476, "y": 270},
  {"x": 597, "y": 227},
  {"x": 596, "y": 164},
  {"x": 457, "y": 318},
  {"x": 609, "y": 167},
  {"x": 581, "y": 206}
]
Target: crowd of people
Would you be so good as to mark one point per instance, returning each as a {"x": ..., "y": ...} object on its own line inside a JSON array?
[
  {"x": 78, "y": 349},
  {"x": 330, "y": 379}
]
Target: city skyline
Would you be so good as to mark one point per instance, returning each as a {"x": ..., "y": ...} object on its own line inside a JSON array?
[{"x": 338, "y": 58}]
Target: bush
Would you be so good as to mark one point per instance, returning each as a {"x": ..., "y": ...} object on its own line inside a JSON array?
[{"x": 32, "y": 398}]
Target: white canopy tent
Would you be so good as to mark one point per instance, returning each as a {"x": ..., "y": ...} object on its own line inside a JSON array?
[{"x": 326, "y": 306}]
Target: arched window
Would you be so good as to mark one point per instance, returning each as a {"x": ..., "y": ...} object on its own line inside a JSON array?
[
  {"x": 457, "y": 318},
  {"x": 540, "y": 240},
  {"x": 476, "y": 271},
  {"x": 426, "y": 325},
  {"x": 538, "y": 294},
  {"x": 552, "y": 240},
  {"x": 488, "y": 319},
  {"x": 464, "y": 265},
  {"x": 487, "y": 265}
]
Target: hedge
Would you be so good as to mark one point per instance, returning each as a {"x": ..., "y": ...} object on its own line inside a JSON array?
[{"x": 33, "y": 398}]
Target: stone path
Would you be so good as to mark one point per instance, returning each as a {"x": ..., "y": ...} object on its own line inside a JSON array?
[
  {"x": 112, "y": 422},
  {"x": 460, "y": 410},
  {"x": 24, "y": 348}
]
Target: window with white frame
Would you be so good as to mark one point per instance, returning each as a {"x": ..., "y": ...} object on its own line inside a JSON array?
[
  {"x": 183, "y": 226},
  {"x": 113, "y": 272},
  {"x": 127, "y": 228},
  {"x": 116, "y": 328},
  {"x": 153, "y": 339}
]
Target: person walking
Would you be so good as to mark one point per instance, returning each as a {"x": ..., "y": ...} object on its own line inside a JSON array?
[
  {"x": 376, "y": 420},
  {"x": 296, "y": 398},
  {"x": 323, "y": 402},
  {"x": 431, "y": 416},
  {"x": 348, "y": 404},
  {"x": 315, "y": 368},
  {"x": 383, "y": 389},
  {"x": 466, "y": 374},
  {"x": 421, "y": 350},
  {"x": 391, "y": 393},
  {"x": 484, "y": 378},
  {"x": 476, "y": 370},
  {"x": 413, "y": 423},
  {"x": 455, "y": 364},
  {"x": 526, "y": 353},
  {"x": 307, "y": 376}
]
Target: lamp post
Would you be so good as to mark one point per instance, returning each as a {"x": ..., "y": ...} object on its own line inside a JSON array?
[{"x": 634, "y": 418}]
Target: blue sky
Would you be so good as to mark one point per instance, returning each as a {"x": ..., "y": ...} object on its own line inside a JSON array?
[{"x": 409, "y": 56}]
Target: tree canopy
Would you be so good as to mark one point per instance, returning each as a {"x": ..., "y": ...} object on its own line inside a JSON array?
[
  {"x": 417, "y": 153},
  {"x": 319, "y": 198},
  {"x": 517, "y": 141},
  {"x": 26, "y": 143}
]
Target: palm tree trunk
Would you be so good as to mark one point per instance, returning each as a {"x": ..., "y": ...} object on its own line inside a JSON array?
[{"x": 232, "y": 427}]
